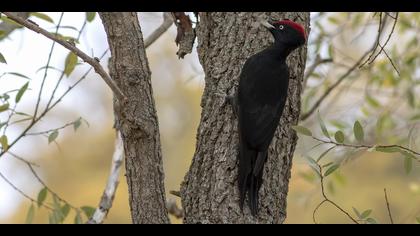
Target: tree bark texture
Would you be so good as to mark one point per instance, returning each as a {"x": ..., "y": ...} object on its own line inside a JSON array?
[
  {"x": 209, "y": 192},
  {"x": 137, "y": 119}
]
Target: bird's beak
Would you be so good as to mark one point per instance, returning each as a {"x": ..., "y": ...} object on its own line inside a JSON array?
[{"x": 266, "y": 24}]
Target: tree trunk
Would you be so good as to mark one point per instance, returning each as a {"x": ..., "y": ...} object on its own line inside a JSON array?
[
  {"x": 210, "y": 191},
  {"x": 137, "y": 120}
]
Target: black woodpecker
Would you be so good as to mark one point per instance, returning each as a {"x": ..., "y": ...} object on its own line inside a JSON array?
[{"x": 259, "y": 104}]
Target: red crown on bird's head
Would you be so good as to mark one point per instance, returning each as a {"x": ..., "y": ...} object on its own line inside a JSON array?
[{"x": 294, "y": 25}]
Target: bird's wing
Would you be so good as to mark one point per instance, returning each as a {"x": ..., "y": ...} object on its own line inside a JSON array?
[{"x": 259, "y": 107}]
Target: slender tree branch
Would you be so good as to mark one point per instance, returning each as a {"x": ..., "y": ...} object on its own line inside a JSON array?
[
  {"x": 21, "y": 192},
  {"x": 22, "y": 159},
  {"x": 326, "y": 199},
  {"x": 371, "y": 146},
  {"x": 318, "y": 61},
  {"x": 33, "y": 122},
  {"x": 167, "y": 22},
  {"x": 111, "y": 187},
  {"x": 387, "y": 206},
  {"x": 50, "y": 130},
  {"x": 49, "y": 189},
  {"x": 328, "y": 91},
  {"x": 92, "y": 61},
  {"x": 62, "y": 72},
  {"x": 46, "y": 71}
]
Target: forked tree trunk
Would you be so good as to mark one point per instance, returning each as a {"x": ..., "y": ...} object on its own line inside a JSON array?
[
  {"x": 137, "y": 120},
  {"x": 209, "y": 192}
]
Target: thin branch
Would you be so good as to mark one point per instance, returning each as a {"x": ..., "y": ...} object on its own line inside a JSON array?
[
  {"x": 46, "y": 71},
  {"x": 318, "y": 61},
  {"x": 49, "y": 189},
  {"x": 21, "y": 192},
  {"x": 33, "y": 122},
  {"x": 326, "y": 199},
  {"x": 387, "y": 40},
  {"x": 371, "y": 146},
  {"x": 22, "y": 159},
  {"x": 50, "y": 130},
  {"x": 167, "y": 22},
  {"x": 387, "y": 206},
  {"x": 92, "y": 61},
  {"x": 62, "y": 72},
  {"x": 109, "y": 192},
  {"x": 327, "y": 92}
]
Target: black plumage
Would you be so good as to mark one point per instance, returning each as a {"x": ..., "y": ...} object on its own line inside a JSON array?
[{"x": 259, "y": 104}]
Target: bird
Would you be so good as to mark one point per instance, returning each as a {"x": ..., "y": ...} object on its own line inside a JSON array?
[{"x": 259, "y": 102}]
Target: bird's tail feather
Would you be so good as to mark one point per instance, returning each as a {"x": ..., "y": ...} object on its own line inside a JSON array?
[{"x": 251, "y": 165}]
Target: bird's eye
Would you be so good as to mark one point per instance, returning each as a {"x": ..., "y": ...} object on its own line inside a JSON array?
[{"x": 281, "y": 27}]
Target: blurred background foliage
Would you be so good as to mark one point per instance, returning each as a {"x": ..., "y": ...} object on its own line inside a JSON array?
[{"x": 381, "y": 96}]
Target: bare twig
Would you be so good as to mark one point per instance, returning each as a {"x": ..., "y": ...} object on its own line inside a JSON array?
[
  {"x": 328, "y": 91},
  {"x": 387, "y": 206},
  {"x": 21, "y": 192},
  {"x": 50, "y": 130},
  {"x": 49, "y": 189},
  {"x": 109, "y": 193},
  {"x": 22, "y": 159},
  {"x": 167, "y": 22},
  {"x": 371, "y": 146},
  {"x": 92, "y": 61},
  {"x": 33, "y": 122},
  {"x": 46, "y": 71},
  {"x": 318, "y": 61},
  {"x": 326, "y": 199}
]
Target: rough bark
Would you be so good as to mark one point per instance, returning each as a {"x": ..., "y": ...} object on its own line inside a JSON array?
[
  {"x": 209, "y": 192},
  {"x": 137, "y": 119}
]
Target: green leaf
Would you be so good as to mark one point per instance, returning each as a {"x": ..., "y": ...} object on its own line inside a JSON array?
[
  {"x": 2, "y": 59},
  {"x": 408, "y": 164},
  {"x": 387, "y": 149},
  {"x": 42, "y": 195},
  {"x": 323, "y": 127},
  {"x": 90, "y": 16},
  {"x": 325, "y": 153},
  {"x": 4, "y": 107},
  {"x": 77, "y": 124},
  {"x": 78, "y": 218},
  {"x": 358, "y": 131},
  {"x": 30, "y": 215},
  {"x": 357, "y": 213},
  {"x": 71, "y": 61},
  {"x": 365, "y": 214},
  {"x": 411, "y": 98},
  {"x": 371, "y": 221},
  {"x": 331, "y": 51},
  {"x": 52, "y": 136},
  {"x": 328, "y": 164},
  {"x": 4, "y": 143},
  {"x": 42, "y": 16},
  {"x": 21, "y": 92},
  {"x": 372, "y": 101},
  {"x": 333, "y": 20},
  {"x": 18, "y": 75},
  {"x": 339, "y": 136},
  {"x": 88, "y": 211},
  {"x": 302, "y": 130},
  {"x": 65, "y": 210},
  {"x": 415, "y": 117},
  {"x": 331, "y": 169}
]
